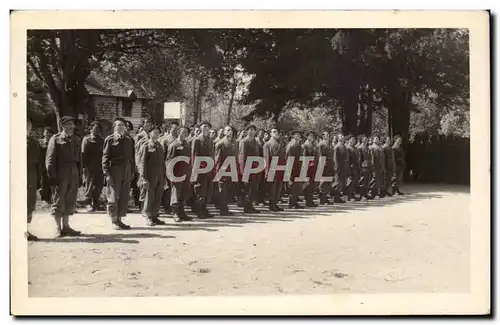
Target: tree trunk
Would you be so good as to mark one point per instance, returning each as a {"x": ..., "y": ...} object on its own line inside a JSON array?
[
  {"x": 400, "y": 106},
  {"x": 195, "y": 108},
  {"x": 231, "y": 101}
]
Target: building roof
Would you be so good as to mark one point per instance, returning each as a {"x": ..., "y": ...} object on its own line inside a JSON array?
[{"x": 99, "y": 85}]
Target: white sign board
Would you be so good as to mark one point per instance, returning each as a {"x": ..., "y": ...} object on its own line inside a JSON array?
[{"x": 171, "y": 110}]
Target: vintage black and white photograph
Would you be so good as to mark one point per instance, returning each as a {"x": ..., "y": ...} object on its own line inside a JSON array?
[{"x": 249, "y": 161}]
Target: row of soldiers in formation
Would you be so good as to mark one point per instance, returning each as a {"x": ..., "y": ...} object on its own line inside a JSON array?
[{"x": 59, "y": 164}]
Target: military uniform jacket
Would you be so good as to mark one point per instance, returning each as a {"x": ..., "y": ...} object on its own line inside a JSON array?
[
  {"x": 44, "y": 143},
  {"x": 260, "y": 144},
  {"x": 399, "y": 155},
  {"x": 176, "y": 149},
  {"x": 202, "y": 146},
  {"x": 152, "y": 161},
  {"x": 324, "y": 149},
  {"x": 34, "y": 156},
  {"x": 273, "y": 148},
  {"x": 365, "y": 156},
  {"x": 389, "y": 157},
  {"x": 62, "y": 151},
  {"x": 294, "y": 150},
  {"x": 223, "y": 149},
  {"x": 378, "y": 158},
  {"x": 166, "y": 141},
  {"x": 341, "y": 158},
  {"x": 118, "y": 151},
  {"x": 354, "y": 159},
  {"x": 92, "y": 152},
  {"x": 247, "y": 147},
  {"x": 309, "y": 150}
]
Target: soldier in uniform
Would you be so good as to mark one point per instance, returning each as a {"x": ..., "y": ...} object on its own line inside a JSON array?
[
  {"x": 294, "y": 149},
  {"x": 390, "y": 167},
  {"x": 324, "y": 149},
  {"x": 151, "y": 168},
  {"x": 118, "y": 164},
  {"x": 341, "y": 159},
  {"x": 224, "y": 149},
  {"x": 274, "y": 148},
  {"x": 212, "y": 134},
  {"x": 366, "y": 167},
  {"x": 309, "y": 150},
  {"x": 262, "y": 189},
  {"x": 354, "y": 169},
  {"x": 33, "y": 176},
  {"x": 248, "y": 147},
  {"x": 45, "y": 191},
  {"x": 202, "y": 146},
  {"x": 92, "y": 146},
  {"x": 63, "y": 170},
  {"x": 179, "y": 189},
  {"x": 399, "y": 161},
  {"x": 378, "y": 165},
  {"x": 267, "y": 136},
  {"x": 165, "y": 142}
]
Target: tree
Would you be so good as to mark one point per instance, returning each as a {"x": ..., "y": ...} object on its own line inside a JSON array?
[{"x": 63, "y": 59}]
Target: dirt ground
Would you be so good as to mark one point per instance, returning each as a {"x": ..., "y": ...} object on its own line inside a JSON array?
[{"x": 415, "y": 243}]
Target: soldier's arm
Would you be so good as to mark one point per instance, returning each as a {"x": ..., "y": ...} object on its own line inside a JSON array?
[
  {"x": 241, "y": 156},
  {"x": 50, "y": 158},
  {"x": 266, "y": 153},
  {"x": 106, "y": 157},
  {"x": 85, "y": 157},
  {"x": 218, "y": 155}
]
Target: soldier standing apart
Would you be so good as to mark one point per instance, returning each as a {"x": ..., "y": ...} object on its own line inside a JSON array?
[
  {"x": 179, "y": 189},
  {"x": 165, "y": 142},
  {"x": 308, "y": 150},
  {"x": 63, "y": 169},
  {"x": 249, "y": 148},
  {"x": 45, "y": 191},
  {"x": 140, "y": 139},
  {"x": 33, "y": 179},
  {"x": 224, "y": 149},
  {"x": 324, "y": 149},
  {"x": 118, "y": 165},
  {"x": 390, "y": 166},
  {"x": 294, "y": 149},
  {"x": 92, "y": 147},
  {"x": 366, "y": 168},
  {"x": 274, "y": 148},
  {"x": 151, "y": 170},
  {"x": 354, "y": 169},
  {"x": 399, "y": 161},
  {"x": 341, "y": 158},
  {"x": 202, "y": 146},
  {"x": 378, "y": 163}
]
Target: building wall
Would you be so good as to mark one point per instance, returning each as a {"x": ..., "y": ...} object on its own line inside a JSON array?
[{"x": 107, "y": 107}]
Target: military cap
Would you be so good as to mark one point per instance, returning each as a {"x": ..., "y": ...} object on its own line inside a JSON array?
[
  {"x": 66, "y": 119},
  {"x": 308, "y": 133},
  {"x": 251, "y": 127},
  {"x": 206, "y": 123},
  {"x": 155, "y": 128},
  {"x": 296, "y": 132}
]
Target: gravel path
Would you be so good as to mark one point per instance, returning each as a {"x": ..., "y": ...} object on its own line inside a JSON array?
[{"x": 417, "y": 243}]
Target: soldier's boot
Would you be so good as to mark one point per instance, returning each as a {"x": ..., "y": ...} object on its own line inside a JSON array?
[
  {"x": 294, "y": 204},
  {"x": 157, "y": 221},
  {"x": 338, "y": 199},
  {"x": 176, "y": 213},
  {"x": 273, "y": 206},
  {"x": 224, "y": 211},
  {"x": 66, "y": 229},
  {"x": 241, "y": 202},
  {"x": 249, "y": 208},
  {"x": 310, "y": 202},
  {"x": 122, "y": 225},
  {"x": 396, "y": 190},
  {"x": 182, "y": 213}
]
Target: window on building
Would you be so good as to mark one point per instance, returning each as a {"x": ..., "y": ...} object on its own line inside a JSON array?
[{"x": 127, "y": 107}]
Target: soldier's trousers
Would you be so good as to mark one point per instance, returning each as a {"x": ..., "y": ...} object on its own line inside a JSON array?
[
  {"x": 136, "y": 193},
  {"x": 223, "y": 187},
  {"x": 309, "y": 189},
  {"x": 377, "y": 182},
  {"x": 250, "y": 189},
  {"x": 398, "y": 180},
  {"x": 201, "y": 189},
  {"x": 94, "y": 180},
  {"x": 353, "y": 183},
  {"x": 365, "y": 181},
  {"x": 32, "y": 187},
  {"x": 388, "y": 178},
  {"x": 340, "y": 184},
  {"x": 153, "y": 197},
  {"x": 166, "y": 196},
  {"x": 294, "y": 191},
  {"x": 45, "y": 191},
  {"x": 274, "y": 191},
  {"x": 180, "y": 191},
  {"x": 66, "y": 190},
  {"x": 118, "y": 191}
]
